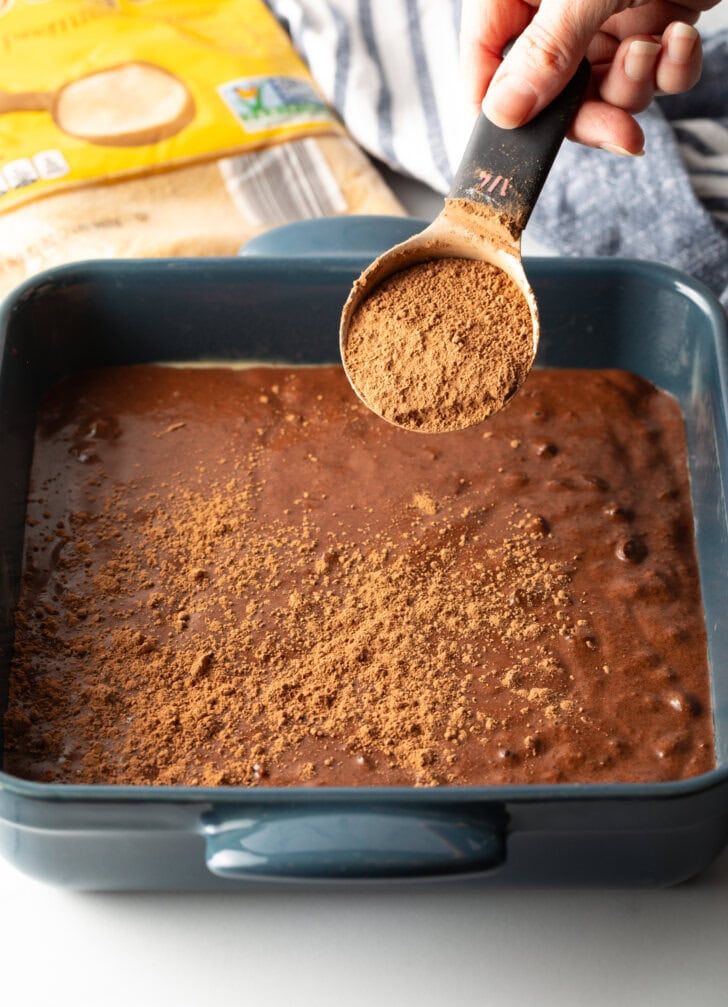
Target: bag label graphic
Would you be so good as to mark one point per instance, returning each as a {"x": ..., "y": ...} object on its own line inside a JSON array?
[{"x": 262, "y": 103}]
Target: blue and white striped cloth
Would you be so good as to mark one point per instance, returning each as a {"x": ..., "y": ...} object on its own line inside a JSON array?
[{"x": 391, "y": 71}]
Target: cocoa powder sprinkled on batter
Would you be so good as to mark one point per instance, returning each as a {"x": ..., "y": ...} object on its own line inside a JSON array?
[
  {"x": 440, "y": 345},
  {"x": 293, "y": 592},
  {"x": 367, "y": 650}
]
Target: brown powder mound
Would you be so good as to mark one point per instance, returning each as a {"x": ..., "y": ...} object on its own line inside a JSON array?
[{"x": 441, "y": 345}]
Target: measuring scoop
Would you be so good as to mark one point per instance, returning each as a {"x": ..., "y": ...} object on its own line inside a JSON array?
[
  {"x": 128, "y": 105},
  {"x": 495, "y": 189}
]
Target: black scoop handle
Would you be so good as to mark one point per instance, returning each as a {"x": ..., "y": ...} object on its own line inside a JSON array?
[{"x": 506, "y": 168}]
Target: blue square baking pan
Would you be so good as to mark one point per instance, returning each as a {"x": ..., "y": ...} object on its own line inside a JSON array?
[{"x": 280, "y": 301}]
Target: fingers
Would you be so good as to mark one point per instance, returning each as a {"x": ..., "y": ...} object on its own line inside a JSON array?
[
  {"x": 484, "y": 30},
  {"x": 626, "y": 84},
  {"x": 629, "y": 81},
  {"x": 681, "y": 60},
  {"x": 543, "y": 58},
  {"x": 553, "y": 35},
  {"x": 642, "y": 66},
  {"x": 598, "y": 124},
  {"x": 652, "y": 19}
]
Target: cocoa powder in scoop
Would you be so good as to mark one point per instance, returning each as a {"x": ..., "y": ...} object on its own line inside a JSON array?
[{"x": 441, "y": 345}]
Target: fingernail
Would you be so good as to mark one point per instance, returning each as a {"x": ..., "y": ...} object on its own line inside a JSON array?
[
  {"x": 639, "y": 62},
  {"x": 681, "y": 42},
  {"x": 613, "y": 149},
  {"x": 509, "y": 100}
]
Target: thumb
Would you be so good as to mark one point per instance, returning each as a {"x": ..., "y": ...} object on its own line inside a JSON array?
[{"x": 544, "y": 58}]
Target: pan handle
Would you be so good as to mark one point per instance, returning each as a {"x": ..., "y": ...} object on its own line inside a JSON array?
[
  {"x": 339, "y": 239},
  {"x": 333, "y": 842}
]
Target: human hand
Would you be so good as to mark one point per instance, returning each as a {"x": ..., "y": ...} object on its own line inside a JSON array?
[{"x": 636, "y": 49}]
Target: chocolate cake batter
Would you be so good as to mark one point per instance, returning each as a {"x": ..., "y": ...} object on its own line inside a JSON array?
[{"x": 245, "y": 577}]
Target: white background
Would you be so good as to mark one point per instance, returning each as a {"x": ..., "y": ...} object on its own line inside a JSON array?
[
  {"x": 424, "y": 949},
  {"x": 442, "y": 948}
]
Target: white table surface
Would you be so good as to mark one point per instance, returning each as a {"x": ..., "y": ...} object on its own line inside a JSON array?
[
  {"x": 424, "y": 949},
  {"x": 439, "y": 948}
]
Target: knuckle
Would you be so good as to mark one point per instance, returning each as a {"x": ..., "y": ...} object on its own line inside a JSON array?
[{"x": 543, "y": 51}]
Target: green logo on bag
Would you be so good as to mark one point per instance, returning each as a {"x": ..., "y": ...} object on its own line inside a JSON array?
[{"x": 261, "y": 103}]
